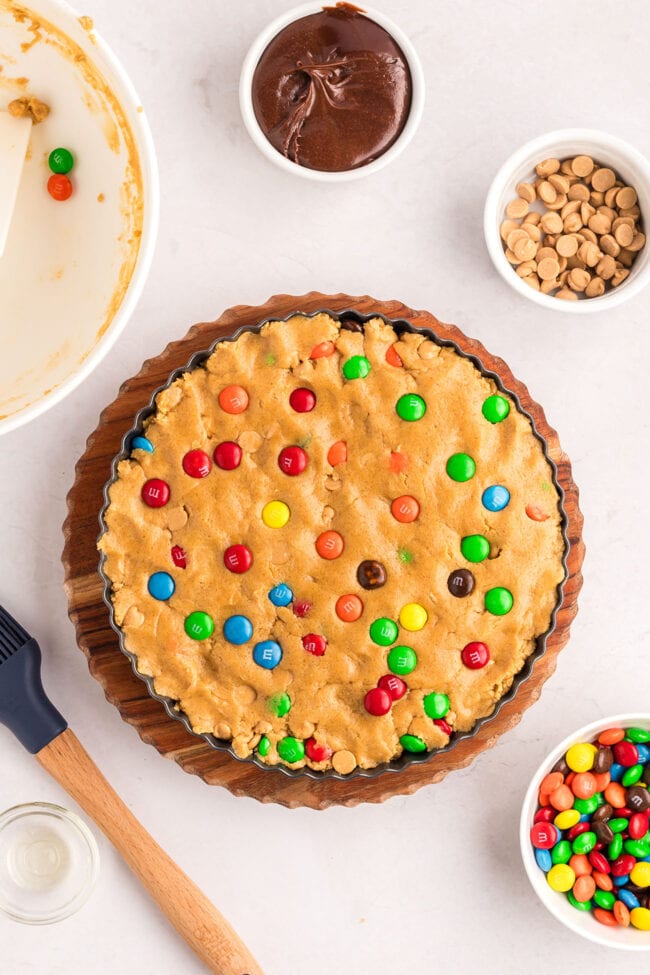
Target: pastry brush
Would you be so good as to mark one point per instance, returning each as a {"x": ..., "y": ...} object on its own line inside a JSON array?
[{"x": 27, "y": 711}]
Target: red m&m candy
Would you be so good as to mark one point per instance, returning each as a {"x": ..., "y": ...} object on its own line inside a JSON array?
[
  {"x": 302, "y": 400},
  {"x": 292, "y": 460},
  {"x": 444, "y": 726},
  {"x": 301, "y": 608},
  {"x": 475, "y": 655},
  {"x": 377, "y": 701},
  {"x": 395, "y": 686},
  {"x": 316, "y": 752},
  {"x": 543, "y": 836},
  {"x": 228, "y": 455},
  {"x": 196, "y": 463},
  {"x": 315, "y": 644},
  {"x": 179, "y": 557},
  {"x": 155, "y": 493},
  {"x": 238, "y": 558},
  {"x": 625, "y": 753}
]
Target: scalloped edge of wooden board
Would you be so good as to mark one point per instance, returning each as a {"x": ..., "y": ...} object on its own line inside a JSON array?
[{"x": 128, "y": 693}]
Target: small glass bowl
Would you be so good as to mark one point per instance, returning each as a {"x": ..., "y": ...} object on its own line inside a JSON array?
[{"x": 49, "y": 863}]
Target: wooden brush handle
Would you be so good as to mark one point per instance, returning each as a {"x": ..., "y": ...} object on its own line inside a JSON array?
[{"x": 206, "y": 931}]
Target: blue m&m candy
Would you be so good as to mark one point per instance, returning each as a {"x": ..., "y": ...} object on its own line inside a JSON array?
[
  {"x": 238, "y": 629},
  {"x": 281, "y": 595},
  {"x": 161, "y": 586},
  {"x": 141, "y": 443},
  {"x": 267, "y": 654},
  {"x": 544, "y": 860},
  {"x": 496, "y": 497}
]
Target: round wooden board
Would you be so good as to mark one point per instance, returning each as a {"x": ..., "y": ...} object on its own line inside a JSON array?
[{"x": 129, "y": 694}]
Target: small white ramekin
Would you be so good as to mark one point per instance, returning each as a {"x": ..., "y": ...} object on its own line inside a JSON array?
[
  {"x": 607, "y": 150},
  {"x": 580, "y": 922},
  {"x": 256, "y": 133}
]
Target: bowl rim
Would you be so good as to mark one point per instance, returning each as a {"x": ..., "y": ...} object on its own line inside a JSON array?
[
  {"x": 151, "y": 208},
  {"x": 249, "y": 64},
  {"x": 406, "y": 759},
  {"x": 492, "y": 218},
  {"x": 550, "y": 898}
]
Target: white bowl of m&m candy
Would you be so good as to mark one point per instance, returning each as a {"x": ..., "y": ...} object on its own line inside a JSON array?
[{"x": 585, "y": 832}]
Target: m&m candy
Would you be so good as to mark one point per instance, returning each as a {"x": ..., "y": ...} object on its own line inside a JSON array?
[
  {"x": 281, "y": 595},
  {"x": 179, "y": 557},
  {"x": 155, "y": 493},
  {"x": 475, "y": 548},
  {"x": 356, "y": 367},
  {"x": 314, "y": 643},
  {"x": 495, "y": 408},
  {"x": 371, "y": 574},
  {"x": 498, "y": 601},
  {"x": 383, "y": 631},
  {"x": 59, "y": 187},
  {"x": 267, "y": 654},
  {"x": 196, "y": 463},
  {"x": 410, "y": 407},
  {"x": 496, "y": 497},
  {"x": 596, "y": 851},
  {"x": 60, "y": 160},
  {"x": 405, "y": 509},
  {"x": 338, "y": 453},
  {"x": 378, "y": 701},
  {"x": 228, "y": 455},
  {"x": 316, "y": 751},
  {"x": 461, "y": 583},
  {"x": 238, "y": 629},
  {"x": 279, "y": 704},
  {"x": 461, "y": 467},
  {"x": 199, "y": 625},
  {"x": 161, "y": 586},
  {"x": 142, "y": 443},
  {"x": 233, "y": 399},
  {"x": 275, "y": 514},
  {"x": 291, "y": 750},
  {"x": 411, "y": 743},
  {"x": 302, "y": 400},
  {"x": 475, "y": 655},
  {"x": 348, "y": 608},
  {"x": 436, "y": 705},
  {"x": 292, "y": 460},
  {"x": 402, "y": 660},
  {"x": 413, "y": 617},
  {"x": 330, "y": 545},
  {"x": 238, "y": 558},
  {"x": 395, "y": 686},
  {"x": 301, "y": 608}
]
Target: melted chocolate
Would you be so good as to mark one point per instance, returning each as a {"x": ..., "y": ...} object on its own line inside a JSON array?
[{"x": 332, "y": 91}]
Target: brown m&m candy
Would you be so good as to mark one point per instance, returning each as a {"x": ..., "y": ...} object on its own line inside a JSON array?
[
  {"x": 371, "y": 574},
  {"x": 460, "y": 582}
]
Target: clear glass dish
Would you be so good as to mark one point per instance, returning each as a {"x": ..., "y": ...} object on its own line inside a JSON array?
[{"x": 49, "y": 863}]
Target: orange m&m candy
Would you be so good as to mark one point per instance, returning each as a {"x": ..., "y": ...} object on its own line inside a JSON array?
[
  {"x": 405, "y": 509},
  {"x": 322, "y": 350},
  {"x": 59, "y": 187},
  {"x": 233, "y": 399},
  {"x": 392, "y": 357},
  {"x": 330, "y": 545},
  {"x": 338, "y": 453},
  {"x": 349, "y": 608}
]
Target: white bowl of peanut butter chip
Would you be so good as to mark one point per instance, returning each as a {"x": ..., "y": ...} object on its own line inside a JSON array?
[{"x": 565, "y": 221}]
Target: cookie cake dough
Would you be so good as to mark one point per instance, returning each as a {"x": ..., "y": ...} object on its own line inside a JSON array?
[{"x": 333, "y": 545}]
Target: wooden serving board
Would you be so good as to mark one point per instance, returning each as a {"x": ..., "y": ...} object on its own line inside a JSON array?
[{"x": 129, "y": 694}]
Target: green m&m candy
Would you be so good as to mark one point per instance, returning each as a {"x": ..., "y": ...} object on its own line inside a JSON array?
[
  {"x": 411, "y": 743},
  {"x": 579, "y": 905},
  {"x": 61, "y": 161},
  {"x": 383, "y": 631},
  {"x": 475, "y": 548},
  {"x": 199, "y": 626},
  {"x": 264, "y": 746},
  {"x": 411, "y": 407},
  {"x": 584, "y": 842},
  {"x": 402, "y": 660},
  {"x": 588, "y": 806},
  {"x": 291, "y": 750},
  {"x": 604, "y": 899},
  {"x": 561, "y": 852},
  {"x": 436, "y": 705},
  {"x": 498, "y": 601},
  {"x": 618, "y": 825},
  {"x": 632, "y": 775},
  {"x": 279, "y": 704},
  {"x": 637, "y": 735},
  {"x": 495, "y": 408},
  {"x": 461, "y": 467},
  {"x": 615, "y": 848},
  {"x": 356, "y": 367}
]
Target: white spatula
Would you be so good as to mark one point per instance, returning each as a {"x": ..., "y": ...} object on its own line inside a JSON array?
[{"x": 14, "y": 139}]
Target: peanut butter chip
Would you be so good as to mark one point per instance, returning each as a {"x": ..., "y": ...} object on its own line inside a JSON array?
[
  {"x": 547, "y": 192},
  {"x": 637, "y": 243},
  {"x": 526, "y": 249},
  {"x": 527, "y": 192},
  {"x": 619, "y": 277},
  {"x": 344, "y": 762},
  {"x": 517, "y": 209},
  {"x": 250, "y": 441},
  {"x": 595, "y": 288},
  {"x": 603, "y": 179},
  {"x": 567, "y": 245},
  {"x": 565, "y": 294},
  {"x": 547, "y": 167},
  {"x": 578, "y": 192},
  {"x": 133, "y": 617},
  {"x": 548, "y": 269},
  {"x": 582, "y": 166},
  {"x": 223, "y": 730},
  {"x": 579, "y": 279},
  {"x": 176, "y": 519},
  {"x": 606, "y": 267},
  {"x": 244, "y": 694}
]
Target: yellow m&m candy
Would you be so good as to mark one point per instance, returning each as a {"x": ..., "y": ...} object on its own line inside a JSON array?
[
  {"x": 567, "y": 819},
  {"x": 561, "y": 877},
  {"x": 640, "y": 874},
  {"x": 640, "y": 918},
  {"x": 275, "y": 514},
  {"x": 580, "y": 757},
  {"x": 413, "y": 617}
]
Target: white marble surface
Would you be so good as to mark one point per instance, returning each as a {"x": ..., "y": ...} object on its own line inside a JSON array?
[{"x": 431, "y": 882}]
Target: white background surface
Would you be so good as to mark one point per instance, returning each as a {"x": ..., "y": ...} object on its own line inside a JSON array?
[{"x": 432, "y": 882}]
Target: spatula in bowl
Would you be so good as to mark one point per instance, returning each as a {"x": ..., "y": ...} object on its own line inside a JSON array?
[{"x": 27, "y": 711}]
